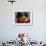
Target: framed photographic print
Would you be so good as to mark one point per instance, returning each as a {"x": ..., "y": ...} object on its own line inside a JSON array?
[{"x": 23, "y": 17}]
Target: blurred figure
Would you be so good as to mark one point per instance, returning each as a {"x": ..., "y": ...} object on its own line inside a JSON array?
[{"x": 21, "y": 36}]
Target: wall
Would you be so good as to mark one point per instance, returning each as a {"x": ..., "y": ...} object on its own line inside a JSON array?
[{"x": 9, "y": 31}]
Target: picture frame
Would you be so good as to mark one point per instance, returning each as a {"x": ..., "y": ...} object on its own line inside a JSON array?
[{"x": 20, "y": 15}]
